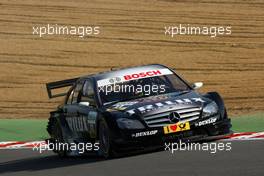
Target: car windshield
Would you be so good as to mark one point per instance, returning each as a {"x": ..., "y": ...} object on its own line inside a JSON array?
[{"x": 144, "y": 87}]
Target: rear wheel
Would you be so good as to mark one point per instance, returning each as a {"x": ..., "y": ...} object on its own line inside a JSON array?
[
  {"x": 105, "y": 141},
  {"x": 58, "y": 141}
]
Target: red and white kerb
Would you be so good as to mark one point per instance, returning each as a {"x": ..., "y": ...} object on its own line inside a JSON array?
[{"x": 32, "y": 144}]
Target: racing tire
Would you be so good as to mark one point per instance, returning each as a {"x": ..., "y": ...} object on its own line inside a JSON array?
[
  {"x": 106, "y": 148},
  {"x": 57, "y": 138}
]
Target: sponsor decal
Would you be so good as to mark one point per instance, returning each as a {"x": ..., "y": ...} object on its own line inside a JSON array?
[
  {"x": 133, "y": 76},
  {"x": 206, "y": 122},
  {"x": 114, "y": 80},
  {"x": 145, "y": 133},
  {"x": 123, "y": 105},
  {"x": 177, "y": 127},
  {"x": 77, "y": 123},
  {"x": 151, "y": 107},
  {"x": 142, "y": 74}
]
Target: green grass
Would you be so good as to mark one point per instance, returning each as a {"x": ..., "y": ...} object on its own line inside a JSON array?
[
  {"x": 22, "y": 129},
  {"x": 33, "y": 129},
  {"x": 248, "y": 123}
]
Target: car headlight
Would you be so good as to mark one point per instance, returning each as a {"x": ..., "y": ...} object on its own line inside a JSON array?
[
  {"x": 210, "y": 109},
  {"x": 125, "y": 123}
]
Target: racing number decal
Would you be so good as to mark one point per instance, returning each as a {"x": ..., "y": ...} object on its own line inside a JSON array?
[{"x": 177, "y": 127}]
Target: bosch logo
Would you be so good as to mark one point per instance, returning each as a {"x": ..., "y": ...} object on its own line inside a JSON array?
[
  {"x": 142, "y": 74},
  {"x": 174, "y": 117}
]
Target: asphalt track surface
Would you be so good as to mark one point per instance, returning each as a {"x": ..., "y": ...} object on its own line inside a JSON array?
[{"x": 245, "y": 158}]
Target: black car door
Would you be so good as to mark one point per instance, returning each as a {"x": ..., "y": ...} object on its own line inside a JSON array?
[
  {"x": 71, "y": 109},
  {"x": 88, "y": 107},
  {"x": 81, "y": 111}
]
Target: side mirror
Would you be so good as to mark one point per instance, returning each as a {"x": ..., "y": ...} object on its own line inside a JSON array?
[
  {"x": 84, "y": 103},
  {"x": 197, "y": 85}
]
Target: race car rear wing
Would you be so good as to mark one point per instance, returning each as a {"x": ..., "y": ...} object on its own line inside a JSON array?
[{"x": 59, "y": 84}]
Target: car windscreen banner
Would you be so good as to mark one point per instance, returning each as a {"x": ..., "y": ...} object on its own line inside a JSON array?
[{"x": 121, "y": 78}]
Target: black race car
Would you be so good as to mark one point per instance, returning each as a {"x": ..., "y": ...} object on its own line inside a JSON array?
[{"x": 132, "y": 109}]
